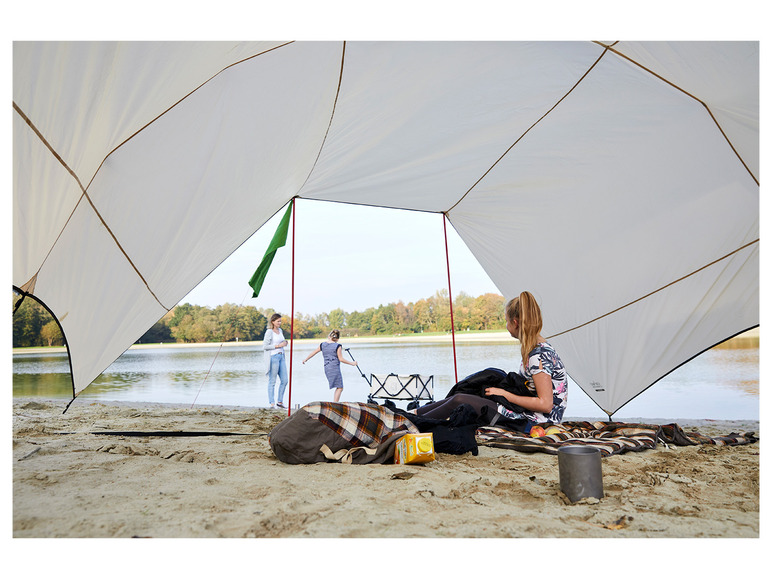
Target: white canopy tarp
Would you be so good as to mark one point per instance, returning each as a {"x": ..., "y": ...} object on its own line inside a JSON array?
[{"x": 618, "y": 182}]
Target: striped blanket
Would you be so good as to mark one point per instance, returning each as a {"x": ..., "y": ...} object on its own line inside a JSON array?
[{"x": 608, "y": 437}]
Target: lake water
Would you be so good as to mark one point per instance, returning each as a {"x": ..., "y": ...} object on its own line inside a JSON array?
[{"x": 722, "y": 383}]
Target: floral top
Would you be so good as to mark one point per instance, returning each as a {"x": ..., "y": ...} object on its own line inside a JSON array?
[{"x": 550, "y": 364}]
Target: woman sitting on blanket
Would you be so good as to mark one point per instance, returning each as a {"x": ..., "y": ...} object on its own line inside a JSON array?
[{"x": 545, "y": 375}]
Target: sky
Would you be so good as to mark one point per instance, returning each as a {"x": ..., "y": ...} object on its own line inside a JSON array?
[{"x": 350, "y": 257}]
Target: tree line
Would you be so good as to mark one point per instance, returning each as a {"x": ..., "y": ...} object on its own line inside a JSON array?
[{"x": 34, "y": 326}]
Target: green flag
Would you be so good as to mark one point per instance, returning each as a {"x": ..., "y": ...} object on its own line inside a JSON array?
[{"x": 279, "y": 240}]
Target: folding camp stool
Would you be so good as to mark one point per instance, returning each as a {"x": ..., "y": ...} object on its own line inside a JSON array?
[{"x": 414, "y": 387}]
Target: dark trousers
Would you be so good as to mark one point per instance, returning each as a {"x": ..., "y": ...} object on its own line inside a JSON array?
[{"x": 443, "y": 408}]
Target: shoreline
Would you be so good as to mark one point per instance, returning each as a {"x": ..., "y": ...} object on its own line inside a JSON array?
[
  {"x": 406, "y": 338},
  {"x": 710, "y": 426},
  {"x": 749, "y": 338}
]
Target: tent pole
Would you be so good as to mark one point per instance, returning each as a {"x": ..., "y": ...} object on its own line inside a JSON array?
[
  {"x": 292, "y": 301},
  {"x": 450, "y": 295}
]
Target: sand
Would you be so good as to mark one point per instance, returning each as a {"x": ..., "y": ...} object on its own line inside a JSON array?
[{"x": 70, "y": 482}]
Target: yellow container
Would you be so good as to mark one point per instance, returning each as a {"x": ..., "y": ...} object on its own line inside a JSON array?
[{"x": 414, "y": 449}]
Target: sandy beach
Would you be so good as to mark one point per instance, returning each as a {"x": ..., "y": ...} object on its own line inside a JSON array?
[{"x": 71, "y": 481}]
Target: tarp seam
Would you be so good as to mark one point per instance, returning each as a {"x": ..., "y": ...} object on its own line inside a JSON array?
[
  {"x": 690, "y": 95},
  {"x": 358, "y": 204},
  {"x": 332, "y": 116},
  {"x": 123, "y": 251},
  {"x": 142, "y": 129},
  {"x": 207, "y": 81},
  {"x": 520, "y": 138},
  {"x": 66, "y": 167},
  {"x": 83, "y": 195},
  {"x": 84, "y": 189},
  {"x": 728, "y": 255},
  {"x": 321, "y": 148},
  {"x": 48, "y": 145}
]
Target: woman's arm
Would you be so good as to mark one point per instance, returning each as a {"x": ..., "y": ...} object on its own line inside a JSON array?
[
  {"x": 342, "y": 359},
  {"x": 268, "y": 340},
  {"x": 312, "y": 354},
  {"x": 542, "y": 402}
]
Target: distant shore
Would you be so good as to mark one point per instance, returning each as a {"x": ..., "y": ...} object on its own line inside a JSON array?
[
  {"x": 751, "y": 337},
  {"x": 428, "y": 338}
]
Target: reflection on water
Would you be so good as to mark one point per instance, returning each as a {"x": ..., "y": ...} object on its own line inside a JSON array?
[
  {"x": 741, "y": 342},
  {"x": 734, "y": 367},
  {"x": 722, "y": 383}
]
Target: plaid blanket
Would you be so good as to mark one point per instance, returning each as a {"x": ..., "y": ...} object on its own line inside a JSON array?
[
  {"x": 608, "y": 437},
  {"x": 358, "y": 423}
]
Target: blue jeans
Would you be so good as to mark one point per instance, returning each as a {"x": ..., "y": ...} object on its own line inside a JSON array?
[{"x": 278, "y": 367}]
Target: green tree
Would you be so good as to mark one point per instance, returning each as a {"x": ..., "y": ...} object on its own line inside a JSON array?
[
  {"x": 337, "y": 319},
  {"x": 404, "y": 317},
  {"x": 303, "y": 327},
  {"x": 488, "y": 312},
  {"x": 252, "y": 323},
  {"x": 442, "y": 310},
  {"x": 28, "y": 321},
  {"x": 33, "y": 325},
  {"x": 423, "y": 313},
  {"x": 383, "y": 320},
  {"x": 361, "y": 322},
  {"x": 205, "y": 327},
  {"x": 51, "y": 334},
  {"x": 158, "y": 333},
  {"x": 462, "y": 311},
  {"x": 236, "y": 323},
  {"x": 182, "y": 325},
  {"x": 179, "y": 313}
]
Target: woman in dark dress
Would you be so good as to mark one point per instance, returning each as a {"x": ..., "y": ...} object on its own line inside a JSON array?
[{"x": 332, "y": 353}]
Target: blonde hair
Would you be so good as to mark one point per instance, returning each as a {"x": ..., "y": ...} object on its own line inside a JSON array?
[
  {"x": 526, "y": 311},
  {"x": 334, "y": 335}
]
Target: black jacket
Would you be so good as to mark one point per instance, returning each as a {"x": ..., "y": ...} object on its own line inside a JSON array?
[{"x": 493, "y": 378}]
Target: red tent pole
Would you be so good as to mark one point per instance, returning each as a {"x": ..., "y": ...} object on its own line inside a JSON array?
[
  {"x": 292, "y": 318},
  {"x": 450, "y": 294}
]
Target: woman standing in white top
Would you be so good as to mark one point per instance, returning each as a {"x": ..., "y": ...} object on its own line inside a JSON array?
[{"x": 275, "y": 364}]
